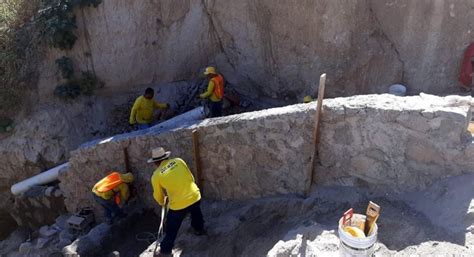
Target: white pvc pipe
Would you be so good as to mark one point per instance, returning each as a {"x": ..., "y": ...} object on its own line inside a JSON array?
[
  {"x": 40, "y": 179},
  {"x": 194, "y": 114}
]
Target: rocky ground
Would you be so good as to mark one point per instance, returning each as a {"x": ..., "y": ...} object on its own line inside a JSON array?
[{"x": 438, "y": 221}]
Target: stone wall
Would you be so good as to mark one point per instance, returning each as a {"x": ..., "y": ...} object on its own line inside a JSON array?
[
  {"x": 35, "y": 208},
  {"x": 378, "y": 141},
  {"x": 243, "y": 156},
  {"x": 393, "y": 143}
]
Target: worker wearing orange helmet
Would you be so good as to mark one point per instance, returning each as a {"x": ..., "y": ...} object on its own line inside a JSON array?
[
  {"x": 215, "y": 91},
  {"x": 111, "y": 192}
]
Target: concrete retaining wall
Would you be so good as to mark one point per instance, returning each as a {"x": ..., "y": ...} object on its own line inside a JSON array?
[{"x": 378, "y": 141}]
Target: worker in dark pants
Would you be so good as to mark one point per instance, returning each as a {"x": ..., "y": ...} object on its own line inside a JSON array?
[
  {"x": 214, "y": 92},
  {"x": 174, "y": 177},
  {"x": 112, "y": 192}
]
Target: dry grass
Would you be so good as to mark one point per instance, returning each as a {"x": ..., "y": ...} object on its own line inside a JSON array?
[{"x": 18, "y": 49}]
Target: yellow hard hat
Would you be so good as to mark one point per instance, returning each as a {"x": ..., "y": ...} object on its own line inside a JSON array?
[
  {"x": 210, "y": 70},
  {"x": 307, "y": 99}
]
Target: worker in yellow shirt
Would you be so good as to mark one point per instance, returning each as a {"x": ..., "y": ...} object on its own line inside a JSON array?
[
  {"x": 173, "y": 178},
  {"x": 215, "y": 91},
  {"x": 111, "y": 192},
  {"x": 142, "y": 110},
  {"x": 307, "y": 99}
]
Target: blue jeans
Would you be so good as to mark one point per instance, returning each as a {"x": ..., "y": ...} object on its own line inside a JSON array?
[
  {"x": 173, "y": 222},
  {"x": 111, "y": 209},
  {"x": 143, "y": 126}
]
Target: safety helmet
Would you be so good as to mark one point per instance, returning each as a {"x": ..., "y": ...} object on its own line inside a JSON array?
[
  {"x": 307, "y": 99},
  {"x": 210, "y": 70}
]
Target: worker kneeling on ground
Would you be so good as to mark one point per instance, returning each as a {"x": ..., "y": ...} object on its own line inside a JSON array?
[
  {"x": 215, "y": 91},
  {"x": 111, "y": 193},
  {"x": 174, "y": 177},
  {"x": 142, "y": 110}
]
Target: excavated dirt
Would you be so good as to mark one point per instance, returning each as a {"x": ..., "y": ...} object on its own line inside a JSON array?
[
  {"x": 134, "y": 236},
  {"x": 7, "y": 224},
  {"x": 294, "y": 226}
]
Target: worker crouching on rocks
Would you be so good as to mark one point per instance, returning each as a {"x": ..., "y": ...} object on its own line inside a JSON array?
[
  {"x": 111, "y": 193},
  {"x": 215, "y": 91},
  {"x": 172, "y": 178}
]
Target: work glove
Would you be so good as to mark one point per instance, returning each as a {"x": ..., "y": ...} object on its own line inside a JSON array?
[
  {"x": 167, "y": 106},
  {"x": 202, "y": 96}
]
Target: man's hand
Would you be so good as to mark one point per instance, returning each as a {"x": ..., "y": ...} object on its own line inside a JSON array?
[{"x": 202, "y": 96}]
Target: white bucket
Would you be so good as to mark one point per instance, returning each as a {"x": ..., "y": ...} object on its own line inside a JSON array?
[
  {"x": 398, "y": 90},
  {"x": 352, "y": 246}
]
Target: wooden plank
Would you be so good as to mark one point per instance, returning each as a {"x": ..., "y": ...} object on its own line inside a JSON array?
[
  {"x": 197, "y": 160},
  {"x": 319, "y": 107},
  {"x": 372, "y": 214}
]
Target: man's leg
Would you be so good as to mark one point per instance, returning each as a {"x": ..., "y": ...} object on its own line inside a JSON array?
[
  {"x": 219, "y": 108},
  {"x": 105, "y": 205},
  {"x": 173, "y": 222},
  {"x": 115, "y": 209},
  {"x": 216, "y": 109},
  {"x": 197, "y": 221}
]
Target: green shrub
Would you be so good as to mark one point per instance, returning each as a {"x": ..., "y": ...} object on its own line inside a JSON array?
[
  {"x": 58, "y": 23},
  {"x": 89, "y": 82},
  {"x": 85, "y": 85},
  {"x": 25, "y": 26},
  {"x": 65, "y": 67},
  {"x": 68, "y": 90},
  {"x": 18, "y": 51},
  {"x": 5, "y": 124}
]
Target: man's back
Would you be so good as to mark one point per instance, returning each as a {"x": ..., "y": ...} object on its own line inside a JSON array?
[{"x": 174, "y": 176}]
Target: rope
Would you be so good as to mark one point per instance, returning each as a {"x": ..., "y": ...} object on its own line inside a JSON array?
[{"x": 148, "y": 237}]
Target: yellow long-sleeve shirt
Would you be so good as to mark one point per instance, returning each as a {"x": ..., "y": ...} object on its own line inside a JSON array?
[
  {"x": 174, "y": 177},
  {"x": 142, "y": 110},
  {"x": 210, "y": 92},
  {"x": 123, "y": 189}
]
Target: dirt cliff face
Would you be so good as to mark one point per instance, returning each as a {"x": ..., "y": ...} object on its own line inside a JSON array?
[{"x": 276, "y": 49}]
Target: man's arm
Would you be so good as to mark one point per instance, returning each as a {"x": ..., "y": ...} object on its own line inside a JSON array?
[
  {"x": 210, "y": 90},
  {"x": 133, "y": 113},
  {"x": 157, "y": 191},
  {"x": 158, "y": 105},
  {"x": 124, "y": 192}
]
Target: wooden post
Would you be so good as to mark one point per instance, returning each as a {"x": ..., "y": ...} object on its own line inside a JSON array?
[
  {"x": 127, "y": 162},
  {"x": 197, "y": 160},
  {"x": 322, "y": 85}
]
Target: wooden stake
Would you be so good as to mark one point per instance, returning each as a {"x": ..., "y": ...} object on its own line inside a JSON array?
[
  {"x": 322, "y": 85},
  {"x": 197, "y": 160},
  {"x": 127, "y": 162}
]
